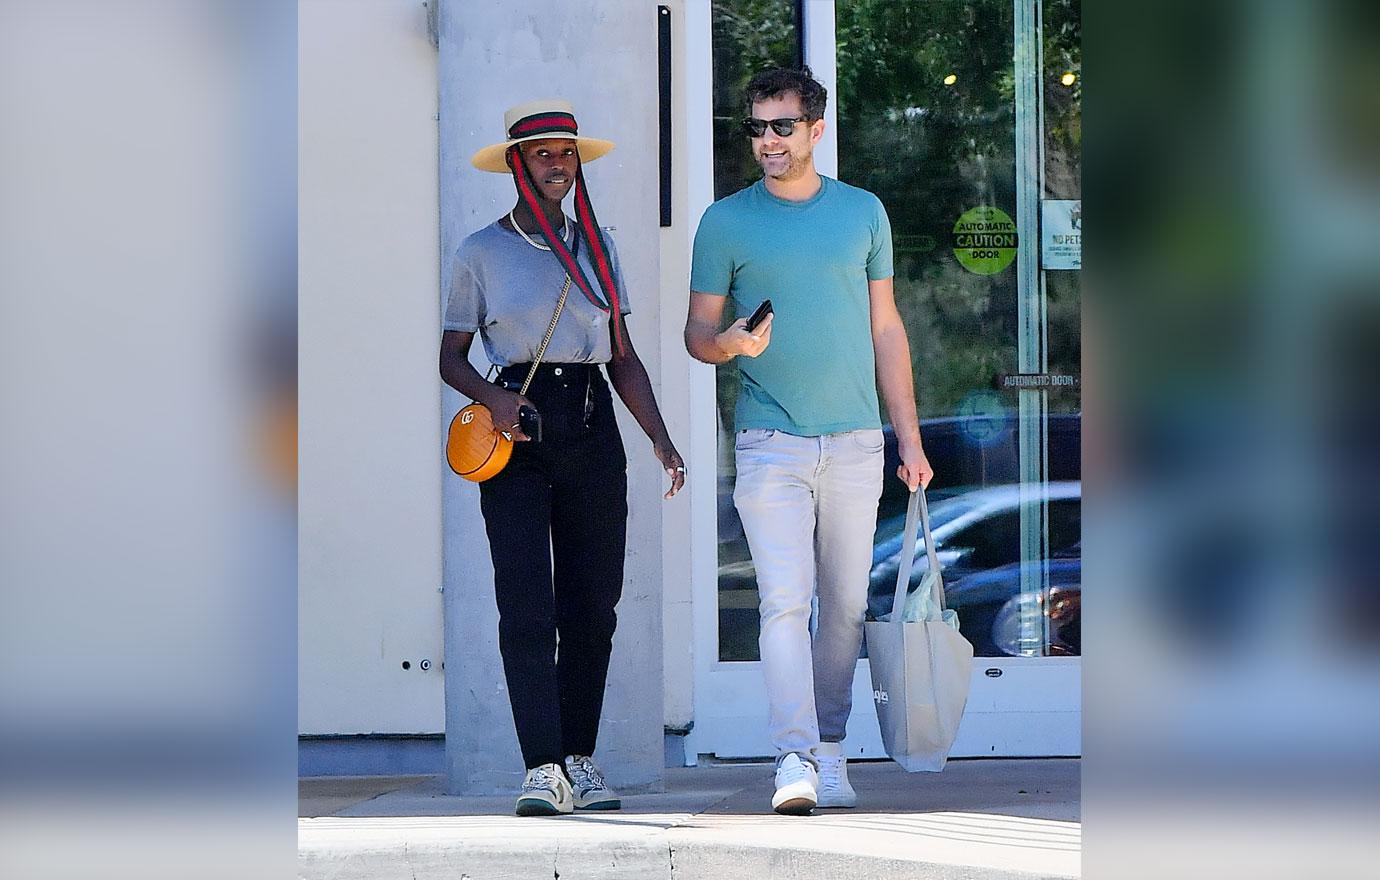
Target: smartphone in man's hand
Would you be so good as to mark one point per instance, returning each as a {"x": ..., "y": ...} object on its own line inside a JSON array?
[{"x": 758, "y": 316}]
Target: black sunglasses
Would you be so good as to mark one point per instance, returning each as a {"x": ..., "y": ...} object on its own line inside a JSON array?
[{"x": 783, "y": 127}]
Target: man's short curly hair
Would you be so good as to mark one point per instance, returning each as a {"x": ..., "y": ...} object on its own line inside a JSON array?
[{"x": 778, "y": 81}]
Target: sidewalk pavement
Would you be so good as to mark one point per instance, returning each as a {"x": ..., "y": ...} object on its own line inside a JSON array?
[{"x": 977, "y": 819}]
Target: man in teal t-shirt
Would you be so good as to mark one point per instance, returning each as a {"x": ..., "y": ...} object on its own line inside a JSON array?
[{"x": 808, "y": 445}]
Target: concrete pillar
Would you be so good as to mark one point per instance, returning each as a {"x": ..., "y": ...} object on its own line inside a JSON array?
[{"x": 601, "y": 55}]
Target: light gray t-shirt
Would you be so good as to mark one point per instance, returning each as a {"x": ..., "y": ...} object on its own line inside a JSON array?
[{"x": 506, "y": 290}]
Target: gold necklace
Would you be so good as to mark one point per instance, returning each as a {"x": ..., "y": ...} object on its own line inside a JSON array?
[{"x": 565, "y": 230}]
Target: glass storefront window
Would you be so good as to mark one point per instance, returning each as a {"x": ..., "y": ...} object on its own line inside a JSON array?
[
  {"x": 749, "y": 35},
  {"x": 927, "y": 119}
]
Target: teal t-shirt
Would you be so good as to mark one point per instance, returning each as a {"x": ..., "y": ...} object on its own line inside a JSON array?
[{"x": 813, "y": 259}]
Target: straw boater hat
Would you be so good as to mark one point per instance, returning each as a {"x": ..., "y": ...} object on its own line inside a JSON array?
[{"x": 533, "y": 121}]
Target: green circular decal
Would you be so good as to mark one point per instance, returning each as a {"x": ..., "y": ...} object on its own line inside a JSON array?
[
  {"x": 982, "y": 417},
  {"x": 985, "y": 240}
]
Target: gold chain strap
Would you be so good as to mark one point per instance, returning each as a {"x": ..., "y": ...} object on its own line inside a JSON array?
[{"x": 546, "y": 340}]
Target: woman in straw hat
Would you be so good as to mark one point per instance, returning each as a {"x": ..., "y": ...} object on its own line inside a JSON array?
[{"x": 556, "y": 515}]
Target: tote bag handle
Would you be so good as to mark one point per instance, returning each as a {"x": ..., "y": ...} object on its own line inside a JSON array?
[{"x": 917, "y": 515}]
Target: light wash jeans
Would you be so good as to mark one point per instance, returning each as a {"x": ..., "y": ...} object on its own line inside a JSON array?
[{"x": 809, "y": 510}]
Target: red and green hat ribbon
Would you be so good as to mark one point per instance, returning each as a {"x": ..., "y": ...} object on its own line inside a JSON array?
[{"x": 588, "y": 227}]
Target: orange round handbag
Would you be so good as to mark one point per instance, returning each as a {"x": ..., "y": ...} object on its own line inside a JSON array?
[{"x": 475, "y": 449}]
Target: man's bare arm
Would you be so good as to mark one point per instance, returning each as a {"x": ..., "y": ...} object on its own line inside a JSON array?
[
  {"x": 706, "y": 343},
  {"x": 894, "y": 377}
]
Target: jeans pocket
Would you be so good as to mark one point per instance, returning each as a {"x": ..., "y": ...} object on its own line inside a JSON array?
[
  {"x": 869, "y": 440},
  {"x": 751, "y": 438}
]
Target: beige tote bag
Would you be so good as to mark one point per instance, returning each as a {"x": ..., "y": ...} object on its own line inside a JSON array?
[{"x": 921, "y": 670}]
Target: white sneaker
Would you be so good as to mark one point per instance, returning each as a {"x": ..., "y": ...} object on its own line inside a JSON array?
[
  {"x": 796, "y": 784},
  {"x": 545, "y": 792},
  {"x": 591, "y": 792},
  {"x": 834, "y": 790}
]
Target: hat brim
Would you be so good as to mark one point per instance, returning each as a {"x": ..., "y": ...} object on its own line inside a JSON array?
[{"x": 491, "y": 157}]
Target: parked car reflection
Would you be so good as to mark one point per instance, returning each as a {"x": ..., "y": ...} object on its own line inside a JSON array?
[
  {"x": 975, "y": 489},
  {"x": 977, "y": 539},
  {"x": 990, "y": 607}
]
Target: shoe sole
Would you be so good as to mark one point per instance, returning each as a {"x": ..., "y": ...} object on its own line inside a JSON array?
[
  {"x": 795, "y": 807},
  {"x": 536, "y": 807},
  {"x": 601, "y": 805}
]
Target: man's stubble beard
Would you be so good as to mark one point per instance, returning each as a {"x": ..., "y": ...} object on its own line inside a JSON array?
[{"x": 799, "y": 164}]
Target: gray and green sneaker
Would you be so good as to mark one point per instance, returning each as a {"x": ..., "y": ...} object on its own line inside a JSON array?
[
  {"x": 545, "y": 792},
  {"x": 591, "y": 792}
]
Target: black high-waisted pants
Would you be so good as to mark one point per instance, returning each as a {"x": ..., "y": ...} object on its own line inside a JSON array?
[{"x": 557, "y": 518}]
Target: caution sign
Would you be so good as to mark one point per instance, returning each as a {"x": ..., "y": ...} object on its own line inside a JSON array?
[{"x": 985, "y": 240}]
